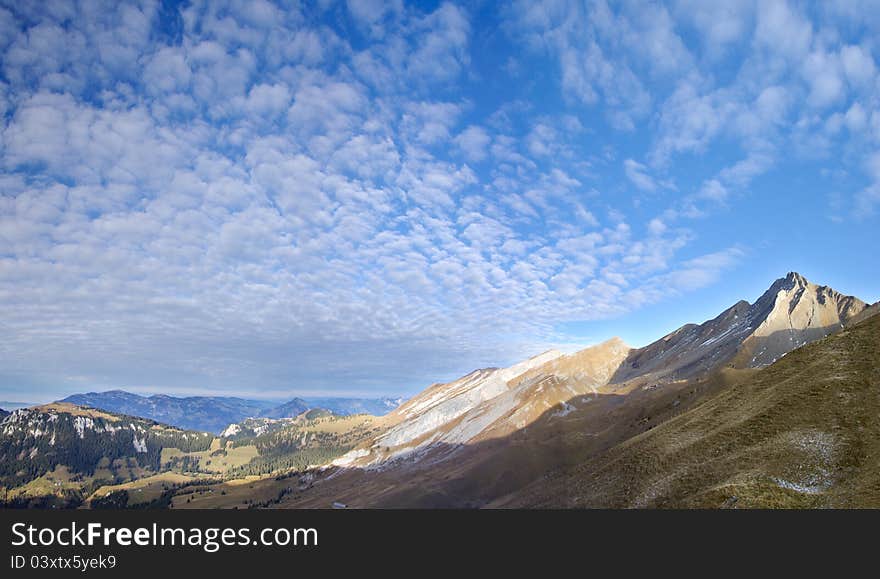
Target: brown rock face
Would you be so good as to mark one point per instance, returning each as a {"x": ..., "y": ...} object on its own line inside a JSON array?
[{"x": 791, "y": 313}]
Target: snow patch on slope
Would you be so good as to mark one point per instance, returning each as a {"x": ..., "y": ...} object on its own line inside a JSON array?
[{"x": 443, "y": 405}]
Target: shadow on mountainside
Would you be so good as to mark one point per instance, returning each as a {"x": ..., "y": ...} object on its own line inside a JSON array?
[
  {"x": 804, "y": 432},
  {"x": 799, "y": 433},
  {"x": 473, "y": 475}
]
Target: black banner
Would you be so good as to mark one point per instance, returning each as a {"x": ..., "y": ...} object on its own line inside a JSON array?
[{"x": 118, "y": 543}]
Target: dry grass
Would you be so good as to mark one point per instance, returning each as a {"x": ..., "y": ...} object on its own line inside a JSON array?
[
  {"x": 146, "y": 489},
  {"x": 239, "y": 493},
  {"x": 50, "y": 484},
  {"x": 340, "y": 424},
  {"x": 215, "y": 459},
  {"x": 74, "y": 410},
  {"x": 804, "y": 432}
]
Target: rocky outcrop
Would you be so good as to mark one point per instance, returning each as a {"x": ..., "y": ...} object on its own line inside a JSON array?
[{"x": 791, "y": 313}]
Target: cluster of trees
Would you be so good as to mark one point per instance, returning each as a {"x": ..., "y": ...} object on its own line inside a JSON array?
[
  {"x": 66, "y": 499},
  {"x": 298, "y": 446},
  {"x": 289, "y": 460},
  {"x": 183, "y": 463},
  {"x": 112, "y": 500},
  {"x": 35, "y": 447},
  {"x": 269, "y": 502}
]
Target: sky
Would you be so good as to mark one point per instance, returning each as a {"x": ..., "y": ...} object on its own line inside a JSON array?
[{"x": 366, "y": 197}]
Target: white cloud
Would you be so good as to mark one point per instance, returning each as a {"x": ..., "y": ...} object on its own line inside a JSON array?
[
  {"x": 656, "y": 226},
  {"x": 578, "y": 36},
  {"x": 858, "y": 65},
  {"x": 856, "y": 119},
  {"x": 441, "y": 49},
  {"x": 824, "y": 74},
  {"x": 742, "y": 172},
  {"x": 431, "y": 123},
  {"x": 637, "y": 173},
  {"x": 782, "y": 29},
  {"x": 373, "y": 15},
  {"x": 167, "y": 71},
  {"x": 689, "y": 121},
  {"x": 474, "y": 142},
  {"x": 720, "y": 24},
  {"x": 268, "y": 99},
  {"x": 713, "y": 190},
  {"x": 701, "y": 271},
  {"x": 867, "y": 199},
  {"x": 261, "y": 201}
]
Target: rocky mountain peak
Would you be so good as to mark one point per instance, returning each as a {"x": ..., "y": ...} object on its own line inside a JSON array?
[
  {"x": 793, "y": 282},
  {"x": 791, "y": 313},
  {"x": 795, "y": 278}
]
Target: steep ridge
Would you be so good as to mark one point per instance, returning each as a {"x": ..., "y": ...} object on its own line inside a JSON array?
[
  {"x": 444, "y": 413},
  {"x": 866, "y": 313},
  {"x": 489, "y": 404},
  {"x": 798, "y": 312},
  {"x": 803, "y": 432},
  {"x": 563, "y": 384},
  {"x": 791, "y": 313}
]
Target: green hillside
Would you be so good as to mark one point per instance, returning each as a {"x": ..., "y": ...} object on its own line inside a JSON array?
[{"x": 61, "y": 451}]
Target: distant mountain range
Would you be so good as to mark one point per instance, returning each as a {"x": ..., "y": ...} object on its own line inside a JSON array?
[
  {"x": 10, "y": 406},
  {"x": 338, "y": 406},
  {"x": 215, "y": 413}
]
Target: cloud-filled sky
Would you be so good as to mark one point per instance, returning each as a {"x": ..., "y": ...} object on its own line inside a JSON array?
[{"x": 365, "y": 197}]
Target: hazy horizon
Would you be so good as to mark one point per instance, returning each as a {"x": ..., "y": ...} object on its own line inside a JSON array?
[
  {"x": 363, "y": 198},
  {"x": 276, "y": 398}
]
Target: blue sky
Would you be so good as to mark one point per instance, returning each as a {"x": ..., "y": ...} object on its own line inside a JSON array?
[{"x": 364, "y": 197}]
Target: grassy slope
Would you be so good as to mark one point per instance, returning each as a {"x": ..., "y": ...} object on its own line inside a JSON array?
[
  {"x": 804, "y": 432},
  {"x": 217, "y": 459},
  {"x": 145, "y": 489}
]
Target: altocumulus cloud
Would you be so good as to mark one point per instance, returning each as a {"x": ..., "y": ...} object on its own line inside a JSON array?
[{"x": 250, "y": 197}]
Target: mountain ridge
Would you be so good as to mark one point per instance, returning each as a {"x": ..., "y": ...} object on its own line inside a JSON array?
[
  {"x": 216, "y": 413},
  {"x": 493, "y": 402}
]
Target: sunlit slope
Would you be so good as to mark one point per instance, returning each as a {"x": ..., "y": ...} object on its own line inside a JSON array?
[{"x": 804, "y": 432}]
